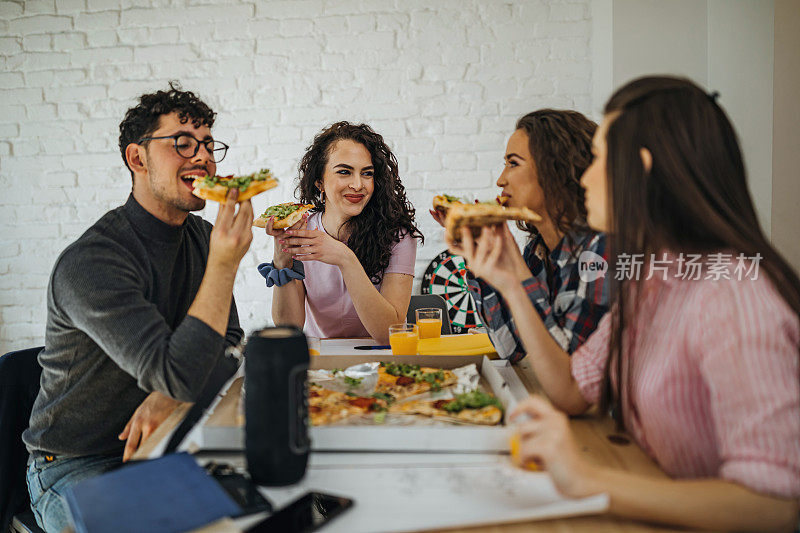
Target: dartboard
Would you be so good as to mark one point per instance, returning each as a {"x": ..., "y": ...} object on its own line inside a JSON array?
[{"x": 445, "y": 276}]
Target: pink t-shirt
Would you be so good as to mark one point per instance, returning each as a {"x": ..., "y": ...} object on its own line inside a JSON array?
[
  {"x": 329, "y": 309},
  {"x": 714, "y": 381}
]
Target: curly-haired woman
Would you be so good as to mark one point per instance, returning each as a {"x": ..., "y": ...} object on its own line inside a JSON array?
[
  {"x": 545, "y": 158},
  {"x": 358, "y": 246}
]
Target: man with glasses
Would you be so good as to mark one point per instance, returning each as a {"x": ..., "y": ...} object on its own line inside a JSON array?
[{"x": 140, "y": 308}]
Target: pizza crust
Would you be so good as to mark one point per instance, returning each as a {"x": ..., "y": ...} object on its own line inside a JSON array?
[
  {"x": 476, "y": 216},
  {"x": 485, "y": 416},
  {"x": 290, "y": 220},
  {"x": 219, "y": 193}
]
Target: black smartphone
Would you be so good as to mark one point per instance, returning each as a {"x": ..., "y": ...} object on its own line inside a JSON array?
[{"x": 307, "y": 513}]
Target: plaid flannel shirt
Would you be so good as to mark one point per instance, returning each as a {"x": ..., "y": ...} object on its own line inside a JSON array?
[{"x": 569, "y": 307}]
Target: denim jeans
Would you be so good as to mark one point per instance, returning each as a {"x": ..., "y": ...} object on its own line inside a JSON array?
[{"x": 48, "y": 481}]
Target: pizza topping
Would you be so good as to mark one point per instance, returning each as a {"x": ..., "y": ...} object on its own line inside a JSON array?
[
  {"x": 364, "y": 403},
  {"x": 313, "y": 394},
  {"x": 385, "y": 396},
  {"x": 281, "y": 211},
  {"x": 405, "y": 380},
  {"x": 439, "y": 404},
  {"x": 352, "y": 382},
  {"x": 414, "y": 372},
  {"x": 239, "y": 182},
  {"x": 314, "y": 408},
  {"x": 471, "y": 400},
  {"x": 451, "y": 198}
]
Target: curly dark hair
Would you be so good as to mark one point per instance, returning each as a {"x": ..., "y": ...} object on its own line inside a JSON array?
[
  {"x": 560, "y": 142},
  {"x": 387, "y": 216},
  {"x": 142, "y": 120}
]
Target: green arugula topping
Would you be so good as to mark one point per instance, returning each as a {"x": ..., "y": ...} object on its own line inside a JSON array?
[
  {"x": 380, "y": 417},
  {"x": 385, "y": 396},
  {"x": 414, "y": 372},
  {"x": 451, "y": 198},
  {"x": 281, "y": 211},
  {"x": 471, "y": 400},
  {"x": 353, "y": 382},
  {"x": 238, "y": 182}
]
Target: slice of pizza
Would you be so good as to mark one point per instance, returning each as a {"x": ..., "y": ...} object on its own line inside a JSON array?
[
  {"x": 476, "y": 216},
  {"x": 443, "y": 202},
  {"x": 402, "y": 381},
  {"x": 328, "y": 407},
  {"x": 216, "y": 187},
  {"x": 475, "y": 407},
  {"x": 286, "y": 215}
]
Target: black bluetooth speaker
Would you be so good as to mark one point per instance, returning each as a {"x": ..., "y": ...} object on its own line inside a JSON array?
[{"x": 276, "y": 406}]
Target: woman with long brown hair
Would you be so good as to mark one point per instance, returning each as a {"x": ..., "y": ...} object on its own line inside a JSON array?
[
  {"x": 353, "y": 258},
  {"x": 699, "y": 356},
  {"x": 545, "y": 157}
]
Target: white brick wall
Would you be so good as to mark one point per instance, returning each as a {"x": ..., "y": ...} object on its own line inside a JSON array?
[{"x": 442, "y": 80}]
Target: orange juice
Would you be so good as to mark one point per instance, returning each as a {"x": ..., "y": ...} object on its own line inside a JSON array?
[
  {"x": 404, "y": 342},
  {"x": 514, "y": 449},
  {"x": 430, "y": 328}
]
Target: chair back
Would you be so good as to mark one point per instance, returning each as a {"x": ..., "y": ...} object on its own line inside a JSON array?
[
  {"x": 419, "y": 301},
  {"x": 19, "y": 384}
]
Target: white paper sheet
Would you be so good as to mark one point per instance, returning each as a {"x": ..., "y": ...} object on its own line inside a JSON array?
[{"x": 434, "y": 493}]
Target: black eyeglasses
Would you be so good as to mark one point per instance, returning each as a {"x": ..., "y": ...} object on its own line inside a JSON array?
[{"x": 187, "y": 146}]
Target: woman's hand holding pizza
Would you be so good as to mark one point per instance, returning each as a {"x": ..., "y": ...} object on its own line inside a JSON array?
[
  {"x": 546, "y": 439},
  {"x": 494, "y": 257},
  {"x": 316, "y": 245},
  {"x": 281, "y": 258}
]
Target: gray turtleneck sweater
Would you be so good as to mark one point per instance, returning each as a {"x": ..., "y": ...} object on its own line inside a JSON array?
[{"x": 117, "y": 329}]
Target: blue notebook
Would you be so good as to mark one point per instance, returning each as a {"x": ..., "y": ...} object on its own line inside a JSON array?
[{"x": 168, "y": 494}]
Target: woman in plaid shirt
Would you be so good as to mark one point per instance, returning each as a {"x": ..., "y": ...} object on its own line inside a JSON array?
[
  {"x": 702, "y": 369},
  {"x": 545, "y": 158}
]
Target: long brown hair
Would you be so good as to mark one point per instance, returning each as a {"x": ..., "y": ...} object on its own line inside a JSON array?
[
  {"x": 387, "y": 216},
  {"x": 693, "y": 199},
  {"x": 560, "y": 142}
]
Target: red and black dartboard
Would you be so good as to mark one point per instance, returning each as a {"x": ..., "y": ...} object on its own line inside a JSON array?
[{"x": 445, "y": 276}]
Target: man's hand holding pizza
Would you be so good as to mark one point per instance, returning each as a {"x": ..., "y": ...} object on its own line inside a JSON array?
[{"x": 231, "y": 236}]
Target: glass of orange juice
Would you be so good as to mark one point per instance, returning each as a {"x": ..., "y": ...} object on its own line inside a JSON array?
[
  {"x": 314, "y": 345},
  {"x": 429, "y": 321},
  {"x": 403, "y": 338}
]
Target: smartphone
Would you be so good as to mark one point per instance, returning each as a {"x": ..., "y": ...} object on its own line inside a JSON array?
[{"x": 307, "y": 513}]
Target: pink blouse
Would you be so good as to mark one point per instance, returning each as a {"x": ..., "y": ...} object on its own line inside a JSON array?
[
  {"x": 715, "y": 381},
  {"x": 329, "y": 309}
]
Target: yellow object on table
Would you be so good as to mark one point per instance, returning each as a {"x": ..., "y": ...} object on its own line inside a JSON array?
[
  {"x": 514, "y": 449},
  {"x": 469, "y": 344}
]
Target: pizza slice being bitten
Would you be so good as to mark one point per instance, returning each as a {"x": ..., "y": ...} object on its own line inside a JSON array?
[
  {"x": 476, "y": 216},
  {"x": 216, "y": 187}
]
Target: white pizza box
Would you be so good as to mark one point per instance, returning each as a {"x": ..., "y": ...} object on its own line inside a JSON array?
[{"x": 222, "y": 429}]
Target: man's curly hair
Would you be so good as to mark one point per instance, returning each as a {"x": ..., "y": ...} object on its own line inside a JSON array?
[
  {"x": 142, "y": 120},
  {"x": 388, "y": 215}
]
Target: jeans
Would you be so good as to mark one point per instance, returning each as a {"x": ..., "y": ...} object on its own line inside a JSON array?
[{"x": 48, "y": 482}]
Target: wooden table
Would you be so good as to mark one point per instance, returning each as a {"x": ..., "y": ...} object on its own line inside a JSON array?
[{"x": 591, "y": 433}]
